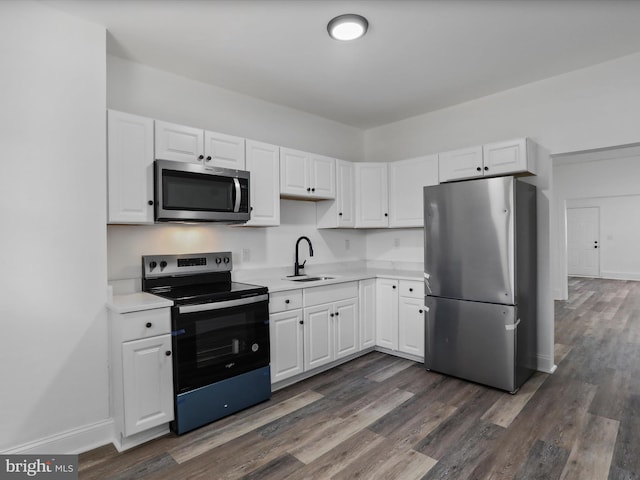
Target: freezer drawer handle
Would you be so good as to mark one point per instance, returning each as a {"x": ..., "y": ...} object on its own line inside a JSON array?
[{"x": 512, "y": 327}]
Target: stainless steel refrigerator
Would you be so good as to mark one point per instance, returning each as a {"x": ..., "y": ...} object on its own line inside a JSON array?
[{"x": 480, "y": 280}]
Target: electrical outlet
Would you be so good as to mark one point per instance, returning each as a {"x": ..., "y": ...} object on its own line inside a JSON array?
[
  {"x": 246, "y": 255},
  {"x": 347, "y": 244}
]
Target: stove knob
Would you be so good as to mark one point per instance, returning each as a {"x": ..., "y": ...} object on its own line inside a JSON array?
[
  {"x": 226, "y": 259},
  {"x": 218, "y": 260},
  {"x": 163, "y": 265},
  {"x": 152, "y": 265}
]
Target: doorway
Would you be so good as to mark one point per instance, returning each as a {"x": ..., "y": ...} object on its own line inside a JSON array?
[{"x": 583, "y": 242}]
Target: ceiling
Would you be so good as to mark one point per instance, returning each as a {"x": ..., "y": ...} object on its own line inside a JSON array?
[{"x": 418, "y": 56}]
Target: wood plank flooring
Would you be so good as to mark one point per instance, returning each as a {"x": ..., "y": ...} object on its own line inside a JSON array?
[{"x": 381, "y": 417}]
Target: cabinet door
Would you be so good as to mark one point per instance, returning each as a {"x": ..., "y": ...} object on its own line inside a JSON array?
[
  {"x": 264, "y": 165},
  {"x": 367, "y": 294},
  {"x": 406, "y": 180},
  {"x": 459, "y": 164},
  {"x": 345, "y": 193},
  {"x": 387, "y": 313},
  {"x": 318, "y": 336},
  {"x": 294, "y": 174},
  {"x": 147, "y": 382},
  {"x": 322, "y": 176},
  {"x": 506, "y": 157},
  {"x": 285, "y": 332},
  {"x": 345, "y": 322},
  {"x": 225, "y": 151},
  {"x": 179, "y": 143},
  {"x": 372, "y": 196},
  {"x": 411, "y": 326},
  {"x": 130, "y": 168}
]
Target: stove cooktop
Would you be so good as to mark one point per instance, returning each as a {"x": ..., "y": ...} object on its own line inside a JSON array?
[{"x": 208, "y": 292}]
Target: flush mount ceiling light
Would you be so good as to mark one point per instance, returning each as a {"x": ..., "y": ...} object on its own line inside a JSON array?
[{"x": 347, "y": 27}]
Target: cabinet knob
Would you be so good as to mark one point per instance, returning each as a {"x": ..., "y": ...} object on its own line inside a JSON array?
[
  {"x": 393, "y": 286},
  {"x": 331, "y": 314},
  {"x": 386, "y": 214},
  {"x": 286, "y": 301},
  {"x": 301, "y": 322},
  {"x": 340, "y": 214},
  {"x": 208, "y": 158},
  {"x": 251, "y": 209},
  {"x": 420, "y": 311},
  {"x": 411, "y": 289},
  {"x": 486, "y": 168},
  {"x": 200, "y": 157},
  {"x": 149, "y": 324},
  {"x": 168, "y": 353},
  {"x": 337, "y": 313},
  {"x": 308, "y": 189},
  {"x": 313, "y": 189},
  {"x": 479, "y": 169},
  {"x": 150, "y": 202}
]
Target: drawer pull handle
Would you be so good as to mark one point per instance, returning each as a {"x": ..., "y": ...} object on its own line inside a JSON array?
[{"x": 149, "y": 325}]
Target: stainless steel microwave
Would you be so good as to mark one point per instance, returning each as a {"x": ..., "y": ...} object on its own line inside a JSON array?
[{"x": 190, "y": 192}]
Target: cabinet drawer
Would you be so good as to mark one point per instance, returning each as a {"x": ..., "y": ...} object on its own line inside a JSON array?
[
  {"x": 330, "y": 293},
  {"x": 147, "y": 323},
  {"x": 284, "y": 301},
  {"x": 411, "y": 288}
]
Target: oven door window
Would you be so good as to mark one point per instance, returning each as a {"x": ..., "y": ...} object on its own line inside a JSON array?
[{"x": 212, "y": 345}]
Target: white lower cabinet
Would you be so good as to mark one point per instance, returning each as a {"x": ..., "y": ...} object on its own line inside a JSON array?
[
  {"x": 367, "y": 296},
  {"x": 141, "y": 375},
  {"x": 286, "y": 334},
  {"x": 147, "y": 381},
  {"x": 400, "y": 316}
]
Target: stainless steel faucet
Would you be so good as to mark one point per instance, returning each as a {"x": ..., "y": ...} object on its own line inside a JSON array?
[{"x": 297, "y": 266}]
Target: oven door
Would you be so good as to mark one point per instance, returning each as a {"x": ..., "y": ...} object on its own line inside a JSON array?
[{"x": 219, "y": 340}]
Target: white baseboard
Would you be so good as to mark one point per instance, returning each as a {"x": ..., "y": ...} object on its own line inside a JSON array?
[
  {"x": 73, "y": 441},
  {"x": 545, "y": 364},
  {"x": 620, "y": 275}
]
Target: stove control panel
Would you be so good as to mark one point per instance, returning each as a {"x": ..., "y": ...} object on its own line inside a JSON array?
[{"x": 154, "y": 266}]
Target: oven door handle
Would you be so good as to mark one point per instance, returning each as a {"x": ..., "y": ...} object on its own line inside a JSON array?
[
  {"x": 203, "y": 307},
  {"x": 236, "y": 182}
]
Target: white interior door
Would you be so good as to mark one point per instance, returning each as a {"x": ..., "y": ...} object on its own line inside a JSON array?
[{"x": 583, "y": 241}]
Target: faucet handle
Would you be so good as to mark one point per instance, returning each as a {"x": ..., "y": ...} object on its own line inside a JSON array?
[{"x": 301, "y": 265}]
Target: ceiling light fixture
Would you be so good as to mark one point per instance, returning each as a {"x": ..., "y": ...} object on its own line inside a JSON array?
[{"x": 347, "y": 27}]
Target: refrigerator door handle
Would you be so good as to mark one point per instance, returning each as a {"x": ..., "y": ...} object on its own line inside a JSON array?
[
  {"x": 512, "y": 327},
  {"x": 426, "y": 281}
]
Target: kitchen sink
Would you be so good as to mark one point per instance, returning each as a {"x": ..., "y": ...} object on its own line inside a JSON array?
[{"x": 310, "y": 279}]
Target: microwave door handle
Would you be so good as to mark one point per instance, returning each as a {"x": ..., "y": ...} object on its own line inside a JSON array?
[{"x": 236, "y": 182}]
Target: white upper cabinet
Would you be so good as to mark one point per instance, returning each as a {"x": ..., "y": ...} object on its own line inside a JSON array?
[
  {"x": 406, "y": 181},
  {"x": 492, "y": 159},
  {"x": 307, "y": 176},
  {"x": 224, "y": 150},
  {"x": 459, "y": 164},
  {"x": 130, "y": 168},
  {"x": 514, "y": 156},
  {"x": 372, "y": 197},
  {"x": 341, "y": 212},
  {"x": 263, "y": 162},
  {"x": 193, "y": 145}
]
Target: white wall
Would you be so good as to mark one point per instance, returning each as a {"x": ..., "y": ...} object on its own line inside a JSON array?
[
  {"x": 268, "y": 247},
  {"x": 143, "y": 90},
  {"x": 590, "y": 108},
  {"x": 53, "y": 360},
  {"x": 609, "y": 180}
]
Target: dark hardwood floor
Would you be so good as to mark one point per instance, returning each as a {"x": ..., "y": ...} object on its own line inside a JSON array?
[{"x": 384, "y": 417}]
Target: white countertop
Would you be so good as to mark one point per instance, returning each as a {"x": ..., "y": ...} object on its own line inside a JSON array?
[
  {"x": 135, "y": 302},
  {"x": 280, "y": 284}
]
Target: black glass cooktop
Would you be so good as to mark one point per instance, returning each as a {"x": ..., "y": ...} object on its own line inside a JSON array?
[{"x": 208, "y": 292}]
